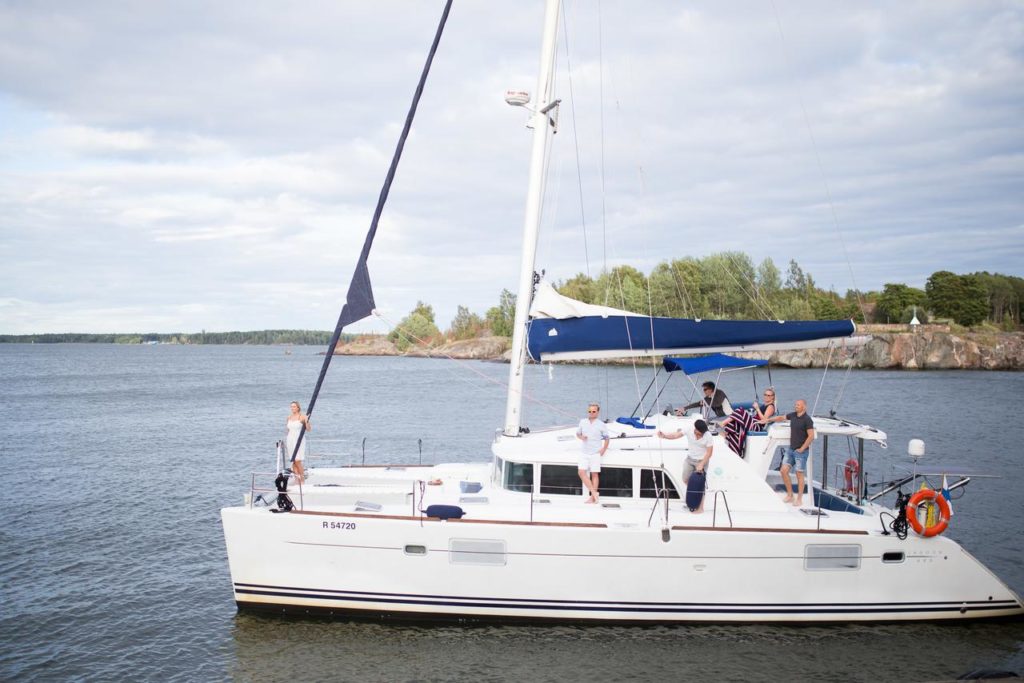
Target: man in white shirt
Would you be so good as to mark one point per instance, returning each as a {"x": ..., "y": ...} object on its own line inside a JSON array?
[
  {"x": 699, "y": 444},
  {"x": 594, "y": 435}
]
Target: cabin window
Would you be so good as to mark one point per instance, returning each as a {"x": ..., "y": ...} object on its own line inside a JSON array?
[
  {"x": 498, "y": 465},
  {"x": 832, "y": 557},
  {"x": 560, "y": 479},
  {"x": 519, "y": 476},
  {"x": 615, "y": 482},
  {"x": 653, "y": 481}
]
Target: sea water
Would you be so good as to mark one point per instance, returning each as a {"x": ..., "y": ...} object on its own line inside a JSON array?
[{"x": 119, "y": 458}]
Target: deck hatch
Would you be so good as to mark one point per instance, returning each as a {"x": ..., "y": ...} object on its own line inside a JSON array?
[
  {"x": 476, "y": 551},
  {"x": 832, "y": 557}
]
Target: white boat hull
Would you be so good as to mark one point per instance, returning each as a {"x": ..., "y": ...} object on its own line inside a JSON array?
[{"x": 360, "y": 565}]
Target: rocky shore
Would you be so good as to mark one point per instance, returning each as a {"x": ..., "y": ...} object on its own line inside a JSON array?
[{"x": 931, "y": 349}]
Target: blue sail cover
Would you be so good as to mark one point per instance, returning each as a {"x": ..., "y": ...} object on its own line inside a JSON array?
[
  {"x": 621, "y": 336},
  {"x": 716, "y": 361}
]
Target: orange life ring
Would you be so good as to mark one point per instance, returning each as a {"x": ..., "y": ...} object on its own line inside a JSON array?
[{"x": 922, "y": 497}]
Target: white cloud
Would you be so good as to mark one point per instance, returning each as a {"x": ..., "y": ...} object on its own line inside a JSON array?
[{"x": 215, "y": 166}]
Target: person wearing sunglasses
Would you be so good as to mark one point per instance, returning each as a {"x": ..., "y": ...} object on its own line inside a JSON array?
[
  {"x": 766, "y": 410},
  {"x": 593, "y": 432}
]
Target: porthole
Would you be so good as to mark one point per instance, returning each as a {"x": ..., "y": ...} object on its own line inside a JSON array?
[
  {"x": 892, "y": 557},
  {"x": 415, "y": 550}
]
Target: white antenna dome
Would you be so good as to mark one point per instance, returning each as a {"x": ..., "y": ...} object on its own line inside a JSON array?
[
  {"x": 915, "y": 448},
  {"x": 517, "y": 98}
]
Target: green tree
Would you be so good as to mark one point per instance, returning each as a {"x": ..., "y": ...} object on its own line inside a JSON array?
[
  {"x": 795, "y": 278},
  {"x": 895, "y": 299},
  {"x": 416, "y": 328},
  {"x": 465, "y": 325},
  {"x": 826, "y": 307},
  {"x": 963, "y": 298},
  {"x": 727, "y": 283},
  {"x": 501, "y": 318},
  {"x": 579, "y": 287},
  {"x": 623, "y": 287},
  {"x": 769, "y": 282}
]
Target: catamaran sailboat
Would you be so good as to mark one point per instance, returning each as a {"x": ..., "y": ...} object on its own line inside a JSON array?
[{"x": 513, "y": 539}]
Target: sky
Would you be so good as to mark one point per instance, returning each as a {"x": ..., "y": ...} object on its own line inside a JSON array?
[{"x": 187, "y": 166}]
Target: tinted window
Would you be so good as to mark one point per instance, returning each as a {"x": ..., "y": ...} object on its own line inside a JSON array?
[
  {"x": 561, "y": 479},
  {"x": 831, "y": 557},
  {"x": 519, "y": 476},
  {"x": 616, "y": 482},
  {"x": 652, "y": 481}
]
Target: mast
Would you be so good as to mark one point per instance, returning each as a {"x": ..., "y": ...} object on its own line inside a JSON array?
[{"x": 542, "y": 123}]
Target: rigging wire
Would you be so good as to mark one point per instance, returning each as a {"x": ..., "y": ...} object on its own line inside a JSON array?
[
  {"x": 821, "y": 173},
  {"x": 831, "y": 348},
  {"x": 575, "y": 137},
  {"x": 683, "y": 290},
  {"x": 424, "y": 344},
  {"x": 600, "y": 81},
  {"x": 749, "y": 295}
]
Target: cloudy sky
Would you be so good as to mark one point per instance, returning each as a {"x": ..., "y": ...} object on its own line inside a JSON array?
[{"x": 194, "y": 165}]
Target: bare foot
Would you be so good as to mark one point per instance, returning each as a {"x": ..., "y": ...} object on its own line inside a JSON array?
[
  {"x": 590, "y": 500},
  {"x": 788, "y": 498},
  {"x": 798, "y": 502}
]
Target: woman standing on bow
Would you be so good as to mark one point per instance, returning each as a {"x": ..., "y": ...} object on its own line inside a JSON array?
[{"x": 294, "y": 424}]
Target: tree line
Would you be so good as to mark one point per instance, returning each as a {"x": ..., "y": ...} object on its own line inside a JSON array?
[
  {"x": 728, "y": 285},
  {"x": 257, "y": 337}
]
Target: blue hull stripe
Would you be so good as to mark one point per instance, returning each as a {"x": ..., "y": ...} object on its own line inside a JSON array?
[{"x": 242, "y": 589}]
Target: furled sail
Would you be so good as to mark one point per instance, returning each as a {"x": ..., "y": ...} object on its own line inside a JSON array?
[
  {"x": 564, "y": 329},
  {"x": 359, "y": 302}
]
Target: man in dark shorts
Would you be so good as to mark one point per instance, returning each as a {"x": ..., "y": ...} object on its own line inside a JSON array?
[{"x": 801, "y": 434}]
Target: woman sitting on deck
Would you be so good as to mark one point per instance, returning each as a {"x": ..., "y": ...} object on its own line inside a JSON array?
[{"x": 742, "y": 421}]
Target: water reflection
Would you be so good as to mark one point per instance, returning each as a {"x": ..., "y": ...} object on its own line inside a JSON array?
[{"x": 320, "y": 649}]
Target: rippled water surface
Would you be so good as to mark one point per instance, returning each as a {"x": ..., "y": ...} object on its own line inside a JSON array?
[{"x": 120, "y": 457}]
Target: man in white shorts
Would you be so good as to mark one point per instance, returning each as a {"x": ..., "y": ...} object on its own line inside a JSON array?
[{"x": 594, "y": 435}]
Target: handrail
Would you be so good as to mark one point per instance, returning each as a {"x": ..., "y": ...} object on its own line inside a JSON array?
[{"x": 714, "y": 509}]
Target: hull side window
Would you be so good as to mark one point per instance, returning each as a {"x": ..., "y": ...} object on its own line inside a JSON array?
[
  {"x": 519, "y": 476},
  {"x": 832, "y": 557},
  {"x": 652, "y": 481}
]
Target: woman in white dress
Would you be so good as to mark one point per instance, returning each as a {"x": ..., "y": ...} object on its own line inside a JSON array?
[{"x": 295, "y": 422}]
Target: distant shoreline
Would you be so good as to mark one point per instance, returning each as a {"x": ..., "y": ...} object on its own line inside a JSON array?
[
  {"x": 892, "y": 347},
  {"x": 255, "y": 337}
]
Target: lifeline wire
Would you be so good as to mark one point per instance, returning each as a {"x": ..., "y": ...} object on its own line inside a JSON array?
[
  {"x": 412, "y": 337},
  {"x": 824, "y": 178}
]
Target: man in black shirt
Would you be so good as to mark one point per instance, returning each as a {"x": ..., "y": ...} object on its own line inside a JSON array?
[
  {"x": 801, "y": 434},
  {"x": 715, "y": 399}
]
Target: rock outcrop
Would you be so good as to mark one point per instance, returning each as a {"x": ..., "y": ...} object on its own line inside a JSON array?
[
  {"x": 483, "y": 348},
  {"x": 918, "y": 351}
]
